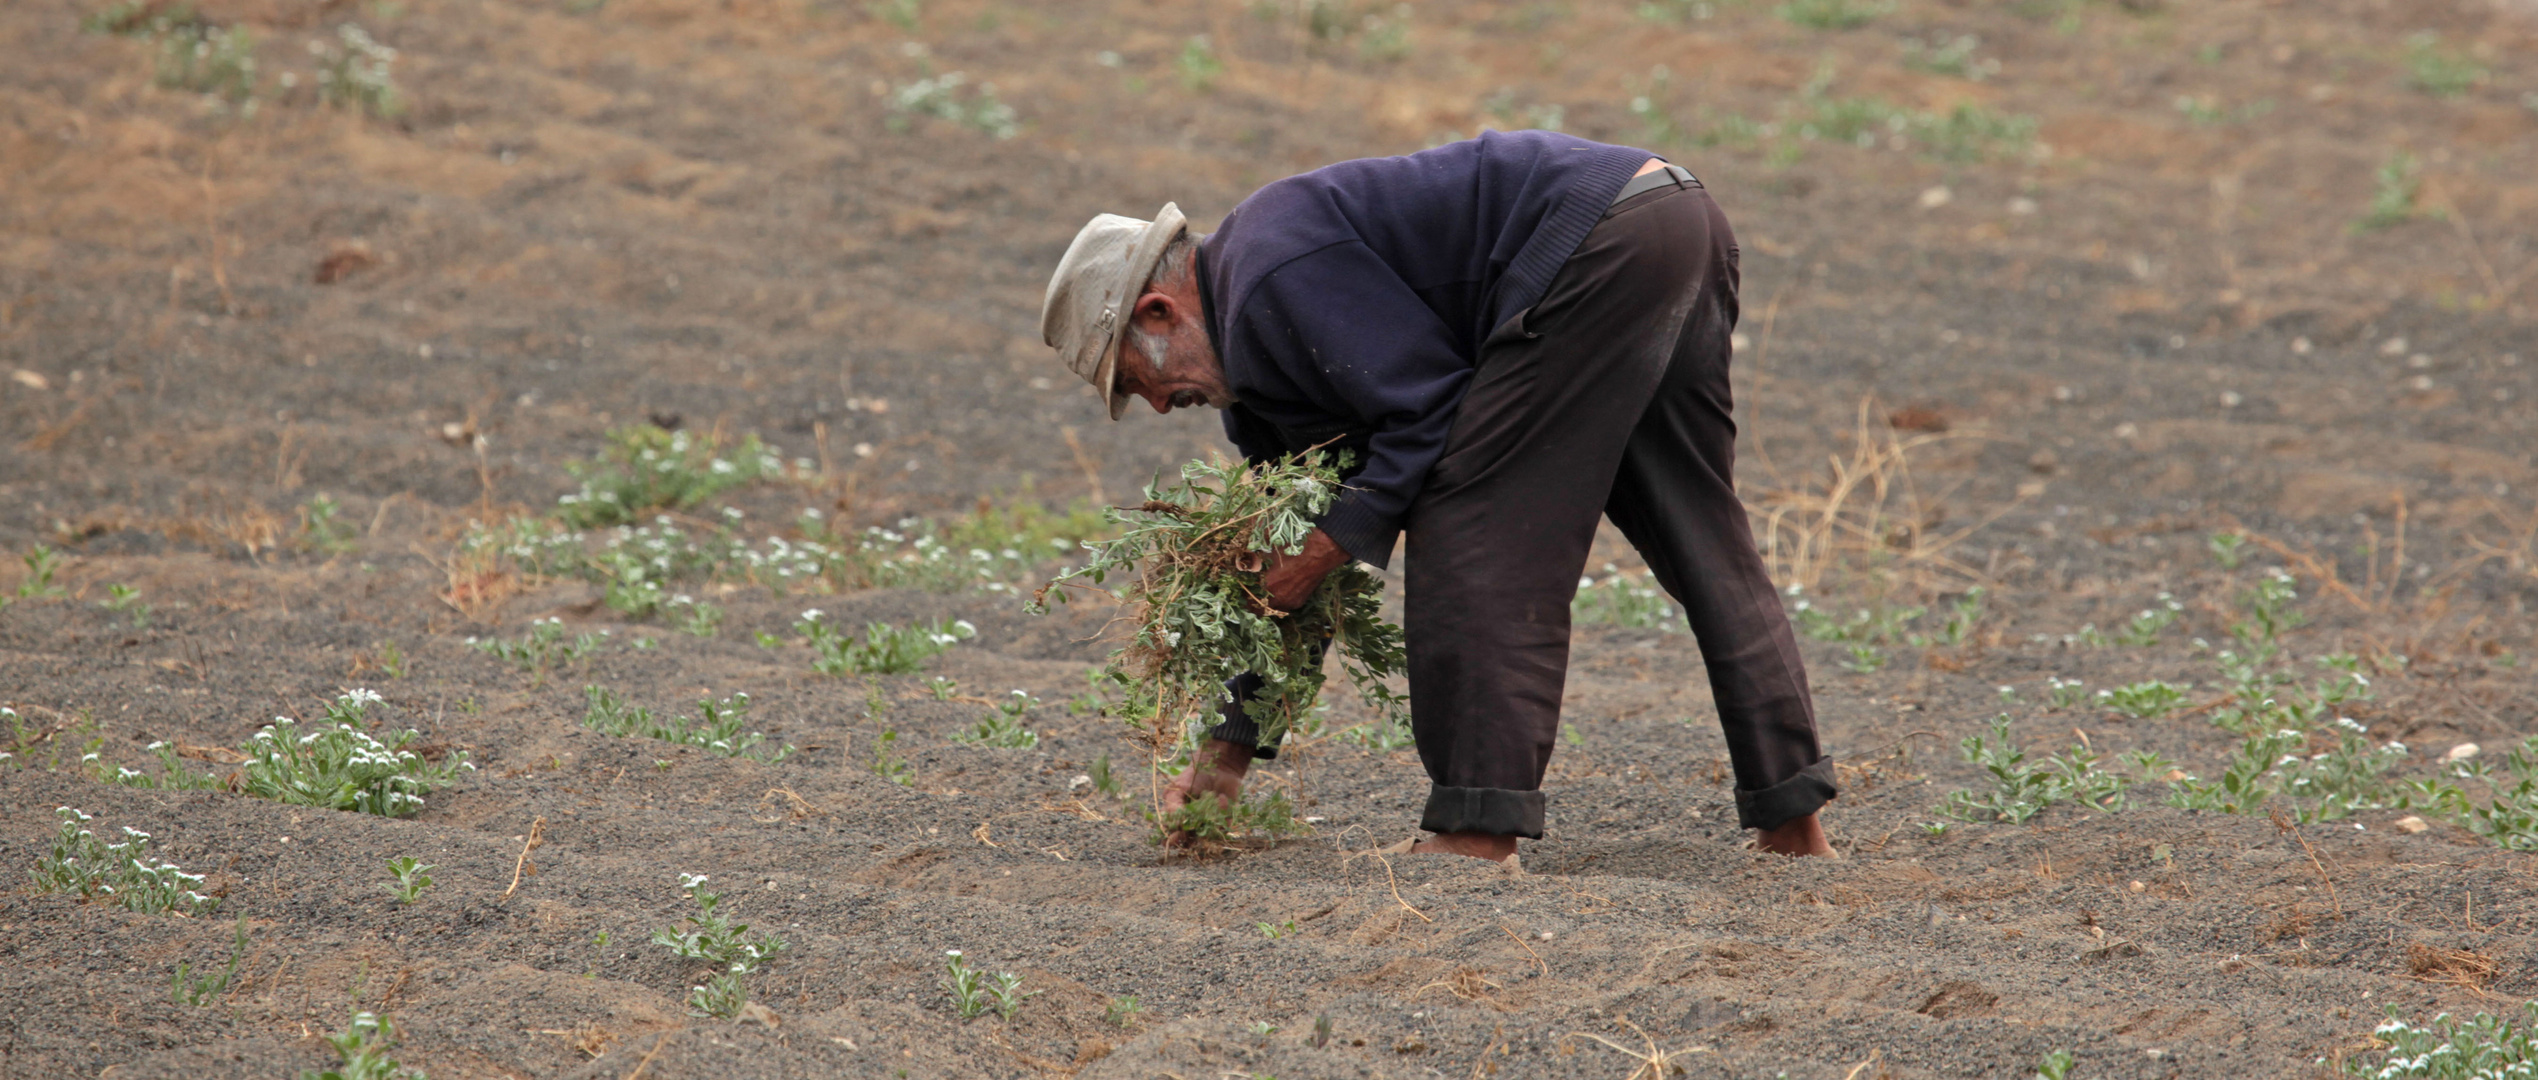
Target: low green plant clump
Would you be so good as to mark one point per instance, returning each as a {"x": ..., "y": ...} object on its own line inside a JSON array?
[
  {"x": 1192, "y": 554},
  {"x": 353, "y": 73},
  {"x": 37, "y": 584},
  {"x": 407, "y": 878},
  {"x": 1212, "y": 823},
  {"x": 172, "y": 776},
  {"x": 192, "y": 53},
  {"x": 2020, "y": 791},
  {"x": 716, "y": 730},
  {"x": 883, "y": 649},
  {"x": 1830, "y": 14},
  {"x": 2146, "y": 700},
  {"x": 1965, "y": 133},
  {"x": 123, "y": 873},
  {"x": 973, "y": 991},
  {"x": 126, "y": 600},
  {"x": 1943, "y": 55},
  {"x": 2480, "y": 1047},
  {"x": 647, "y": 468},
  {"x": 1002, "y": 729},
  {"x": 338, "y": 766},
  {"x": 200, "y": 991},
  {"x": 1622, "y": 599},
  {"x": 2395, "y": 195},
  {"x": 2439, "y": 71},
  {"x": 364, "y": 1048},
  {"x": 1122, "y": 1011},
  {"x": 541, "y": 647},
  {"x": 733, "y": 948},
  {"x": 941, "y": 97}
]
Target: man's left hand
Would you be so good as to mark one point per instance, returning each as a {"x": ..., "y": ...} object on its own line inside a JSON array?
[{"x": 1291, "y": 579}]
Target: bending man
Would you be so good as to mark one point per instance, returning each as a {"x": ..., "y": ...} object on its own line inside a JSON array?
[{"x": 1516, "y": 334}]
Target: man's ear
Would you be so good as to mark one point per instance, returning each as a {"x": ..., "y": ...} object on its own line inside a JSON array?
[{"x": 1156, "y": 309}]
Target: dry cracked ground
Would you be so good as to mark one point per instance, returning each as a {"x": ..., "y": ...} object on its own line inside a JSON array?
[{"x": 2039, "y": 298}]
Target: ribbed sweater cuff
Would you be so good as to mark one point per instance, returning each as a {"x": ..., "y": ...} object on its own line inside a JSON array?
[{"x": 1365, "y": 533}]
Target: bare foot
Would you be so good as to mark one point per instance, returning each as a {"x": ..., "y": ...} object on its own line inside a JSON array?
[
  {"x": 1488, "y": 846},
  {"x": 1217, "y": 769},
  {"x": 1796, "y": 836}
]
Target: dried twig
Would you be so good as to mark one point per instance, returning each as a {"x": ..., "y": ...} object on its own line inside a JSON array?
[
  {"x": 1520, "y": 943},
  {"x": 1655, "y": 1063},
  {"x": 648, "y": 1055},
  {"x": 537, "y": 836}
]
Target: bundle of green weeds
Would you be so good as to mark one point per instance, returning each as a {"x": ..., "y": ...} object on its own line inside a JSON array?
[{"x": 1192, "y": 556}]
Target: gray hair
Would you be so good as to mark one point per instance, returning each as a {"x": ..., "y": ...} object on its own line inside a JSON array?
[{"x": 1173, "y": 269}]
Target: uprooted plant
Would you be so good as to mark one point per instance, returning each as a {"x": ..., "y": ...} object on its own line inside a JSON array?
[{"x": 1192, "y": 556}]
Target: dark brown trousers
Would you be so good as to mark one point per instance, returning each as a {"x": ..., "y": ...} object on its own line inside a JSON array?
[{"x": 1609, "y": 397}]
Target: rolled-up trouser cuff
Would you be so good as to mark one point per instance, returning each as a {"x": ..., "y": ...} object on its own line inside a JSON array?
[
  {"x": 1795, "y": 797},
  {"x": 1496, "y": 811}
]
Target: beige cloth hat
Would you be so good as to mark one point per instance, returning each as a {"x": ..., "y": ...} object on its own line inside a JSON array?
[{"x": 1096, "y": 282}]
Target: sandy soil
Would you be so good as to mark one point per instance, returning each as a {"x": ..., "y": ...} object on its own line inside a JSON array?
[{"x": 590, "y": 214}]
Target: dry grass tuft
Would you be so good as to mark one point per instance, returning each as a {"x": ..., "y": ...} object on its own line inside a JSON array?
[
  {"x": 1866, "y": 511},
  {"x": 2464, "y": 968},
  {"x": 785, "y": 804},
  {"x": 1655, "y": 1063}
]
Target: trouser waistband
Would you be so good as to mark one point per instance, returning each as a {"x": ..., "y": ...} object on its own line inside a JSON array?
[{"x": 1674, "y": 176}]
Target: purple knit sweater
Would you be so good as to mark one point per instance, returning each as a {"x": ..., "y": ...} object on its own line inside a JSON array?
[{"x": 1349, "y": 303}]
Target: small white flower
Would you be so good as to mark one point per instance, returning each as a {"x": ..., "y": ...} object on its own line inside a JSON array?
[
  {"x": 362, "y": 696},
  {"x": 811, "y": 615}
]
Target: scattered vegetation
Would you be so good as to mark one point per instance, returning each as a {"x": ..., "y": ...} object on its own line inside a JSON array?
[
  {"x": 2020, "y": 791},
  {"x": 1622, "y": 599},
  {"x": 1198, "y": 64},
  {"x": 2446, "y": 1048},
  {"x": 408, "y": 877},
  {"x": 1003, "y": 728},
  {"x": 2146, "y": 700},
  {"x": 2393, "y": 197},
  {"x": 1123, "y": 1011},
  {"x": 41, "y": 564},
  {"x": 732, "y": 948},
  {"x": 1193, "y": 553},
  {"x": 940, "y": 97},
  {"x": 883, "y": 650},
  {"x": 172, "y": 776},
  {"x": 1950, "y": 56},
  {"x": 126, "y": 600},
  {"x": 2143, "y": 631},
  {"x": 1830, "y": 14},
  {"x": 321, "y": 530},
  {"x": 363, "y": 1047},
  {"x": 647, "y": 468},
  {"x": 717, "y": 730},
  {"x": 973, "y": 991},
  {"x": 540, "y": 648},
  {"x": 2439, "y": 71},
  {"x": 122, "y": 873},
  {"x": 338, "y": 766},
  {"x": 200, "y": 991}
]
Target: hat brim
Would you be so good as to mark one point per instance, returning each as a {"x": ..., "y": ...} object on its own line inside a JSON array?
[{"x": 1167, "y": 225}]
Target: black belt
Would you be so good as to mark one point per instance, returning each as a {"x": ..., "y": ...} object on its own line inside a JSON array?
[{"x": 1670, "y": 176}]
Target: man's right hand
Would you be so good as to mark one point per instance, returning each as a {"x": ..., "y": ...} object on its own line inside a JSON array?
[{"x": 1217, "y": 769}]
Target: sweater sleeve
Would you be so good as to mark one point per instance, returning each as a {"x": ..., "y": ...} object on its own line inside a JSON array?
[{"x": 1352, "y": 338}]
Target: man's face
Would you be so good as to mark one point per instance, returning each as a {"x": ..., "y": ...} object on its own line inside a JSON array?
[{"x": 1165, "y": 356}]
